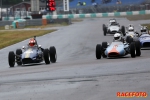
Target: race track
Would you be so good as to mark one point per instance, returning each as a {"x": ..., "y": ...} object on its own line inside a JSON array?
[{"x": 77, "y": 75}]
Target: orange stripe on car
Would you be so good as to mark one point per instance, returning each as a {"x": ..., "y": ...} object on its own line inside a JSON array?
[{"x": 114, "y": 50}]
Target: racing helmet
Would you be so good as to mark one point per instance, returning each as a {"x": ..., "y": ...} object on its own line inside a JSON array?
[
  {"x": 117, "y": 36},
  {"x": 143, "y": 29},
  {"x": 130, "y": 29},
  {"x": 31, "y": 42}
]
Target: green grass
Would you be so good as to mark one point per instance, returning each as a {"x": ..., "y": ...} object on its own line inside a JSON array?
[
  {"x": 77, "y": 20},
  {"x": 138, "y": 17},
  {"x": 11, "y": 37},
  {"x": 148, "y": 26},
  {"x": 48, "y": 25},
  {"x": 2, "y": 27}
]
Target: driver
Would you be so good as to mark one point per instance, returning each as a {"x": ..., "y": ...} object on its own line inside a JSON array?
[
  {"x": 143, "y": 29},
  {"x": 131, "y": 29},
  {"x": 32, "y": 42},
  {"x": 118, "y": 38}
]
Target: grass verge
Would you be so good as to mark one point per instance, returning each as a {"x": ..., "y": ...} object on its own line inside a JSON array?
[
  {"x": 11, "y": 37},
  {"x": 49, "y": 25},
  {"x": 77, "y": 20},
  {"x": 148, "y": 26},
  {"x": 138, "y": 17}
]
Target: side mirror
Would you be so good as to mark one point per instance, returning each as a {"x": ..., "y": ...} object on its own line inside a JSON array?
[
  {"x": 125, "y": 43},
  {"x": 39, "y": 46},
  {"x": 23, "y": 47},
  {"x": 108, "y": 44}
]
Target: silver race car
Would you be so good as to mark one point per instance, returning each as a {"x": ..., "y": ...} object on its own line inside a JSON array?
[
  {"x": 30, "y": 55},
  {"x": 112, "y": 27}
]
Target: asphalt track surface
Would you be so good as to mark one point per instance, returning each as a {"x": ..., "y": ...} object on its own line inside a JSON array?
[{"x": 77, "y": 75}]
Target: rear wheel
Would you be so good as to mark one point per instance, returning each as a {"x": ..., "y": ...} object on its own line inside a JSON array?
[
  {"x": 132, "y": 50},
  {"x": 11, "y": 59},
  {"x": 104, "y": 46},
  {"x": 46, "y": 56},
  {"x": 18, "y": 56},
  {"x": 53, "y": 55},
  {"x": 123, "y": 30},
  {"x": 138, "y": 48},
  {"x": 98, "y": 51}
]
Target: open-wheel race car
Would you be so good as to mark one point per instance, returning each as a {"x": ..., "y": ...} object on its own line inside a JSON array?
[
  {"x": 33, "y": 53},
  {"x": 113, "y": 27},
  {"x": 144, "y": 37},
  {"x": 117, "y": 49},
  {"x": 131, "y": 34}
]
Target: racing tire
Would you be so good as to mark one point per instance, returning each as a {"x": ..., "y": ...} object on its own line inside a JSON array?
[
  {"x": 46, "y": 56},
  {"x": 132, "y": 49},
  {"x": 104, "y": 26},
  {"x": 98, "y": 51},
  {"x": 138, "y": 48},
  {"x": 105, "y": 31},
  {"x": 11, "y": 59},
  {"x": 18, "y": 53},
  {"x": 104, "y": 46},
  {"x": 53, "y": 54},
  {"x": 129, "y": 39},
  {"x": 123, "y": 30}
]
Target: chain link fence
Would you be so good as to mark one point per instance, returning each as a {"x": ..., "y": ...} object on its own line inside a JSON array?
[{"x": 105, "y": 9}]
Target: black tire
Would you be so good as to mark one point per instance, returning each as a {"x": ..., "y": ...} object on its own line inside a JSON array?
[
  {"x": 138, "y": 48},
  {"x": 104, "y": 46},
  {"x": 129, "y": 39},
  {"x": 123, "y": 30},
  {"x": 98, "y": 51},
  {"x": 104, "y": 26},
  {"x": 11, "y": 59},
  {"x": 105, "y": 31},
  {"x": 18, "y": 57},
  {"x": 46, "y": 56},
  {"x": 53, "y": 54},
  {"x": 132, "y": 49}
]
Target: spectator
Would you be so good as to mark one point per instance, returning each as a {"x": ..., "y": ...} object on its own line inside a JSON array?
[
  {"x": 95, "y": 4},
  {"x": 106, "y": 1},
  {"x": 81, "y": 3},
  {"x": 118, "y": 2}
]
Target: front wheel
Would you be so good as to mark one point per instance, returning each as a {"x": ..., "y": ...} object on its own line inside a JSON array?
[
  {"x": 129, "y": 39},
  {"x": 138, "y": 48},
  {"x": 46, "y": 56},
  {"x": 98, "y": 51},
  {"x": 123, "y": 30},
  {"x": 18, "y": 56},
  {"x": 132, "y": 50},
  {"x": 104, "y": 46},
  {"x": 53, "y": 55},
  {"x": 11, "y": 59}
]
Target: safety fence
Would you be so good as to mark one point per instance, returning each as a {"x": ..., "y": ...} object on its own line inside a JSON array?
[{"x": 94, "y": 15}]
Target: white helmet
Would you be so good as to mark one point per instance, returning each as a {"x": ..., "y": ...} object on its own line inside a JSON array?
[
  {"x": 130, "y": 29},
  {"x": 143, "y": 29},
  {"x": 117, "y": 36}
]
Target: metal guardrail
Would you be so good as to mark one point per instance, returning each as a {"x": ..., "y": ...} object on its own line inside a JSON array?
[{"x": 94, "y": 15}]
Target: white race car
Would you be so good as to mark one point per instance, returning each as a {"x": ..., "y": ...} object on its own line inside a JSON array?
[{"x": 112, "y": 27}]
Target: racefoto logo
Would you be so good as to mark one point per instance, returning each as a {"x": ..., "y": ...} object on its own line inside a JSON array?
[{"x": 132, "y": 94}]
